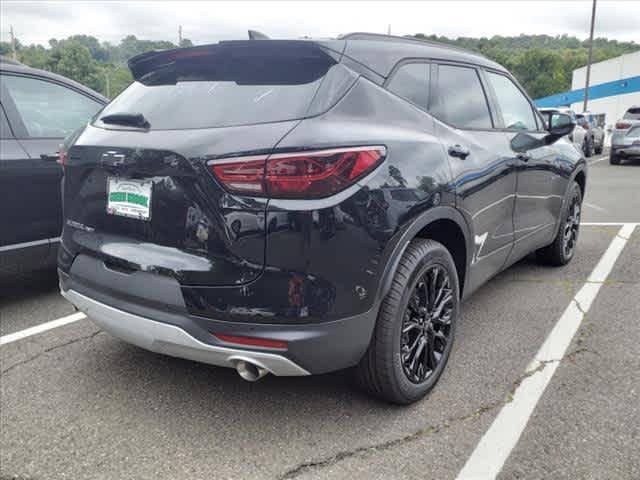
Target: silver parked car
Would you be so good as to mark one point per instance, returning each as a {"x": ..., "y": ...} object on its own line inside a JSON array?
[
  {"x": 579, "y": 134},
  {"x": 593, "y": 124},
  {"x": 625, "y": 139}
]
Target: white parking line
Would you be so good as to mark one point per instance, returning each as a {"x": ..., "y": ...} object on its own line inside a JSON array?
[
  {"x": 43, "y": 327},
  {"x": 598, "y": 160},
  {"x": 496, "y": 445},
  {"x": 595, "y": 207},
  {"x": 608, "y": 224}
]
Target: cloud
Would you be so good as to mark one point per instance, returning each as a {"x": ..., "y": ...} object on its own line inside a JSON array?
[{"x": 203, "y": 22}]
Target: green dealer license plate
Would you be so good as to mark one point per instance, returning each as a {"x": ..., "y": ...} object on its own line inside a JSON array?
[{"x": 129, "y": 198}]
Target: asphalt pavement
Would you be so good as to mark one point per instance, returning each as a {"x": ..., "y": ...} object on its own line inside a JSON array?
[{"x": 76, "y": 403}]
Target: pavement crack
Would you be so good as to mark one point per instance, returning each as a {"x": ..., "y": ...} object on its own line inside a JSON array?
[
  {"x": 366, "y": 450},
  {"x": 49, "y": 349},
  {"x": 579, "y": 307}
]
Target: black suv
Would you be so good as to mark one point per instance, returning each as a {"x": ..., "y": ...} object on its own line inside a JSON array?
[
  {"x": 38, "y": 110},
  {"x": 298, "y": 207}
]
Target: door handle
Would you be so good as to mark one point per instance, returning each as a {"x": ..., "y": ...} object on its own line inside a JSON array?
[
  {"x": 524, "y": 157},
  {"x": 48, "y": 156},
  {"x": 458, "y": 151}
]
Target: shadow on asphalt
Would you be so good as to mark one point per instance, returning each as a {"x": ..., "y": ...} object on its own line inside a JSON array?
[{"x": 19, "y": 287}]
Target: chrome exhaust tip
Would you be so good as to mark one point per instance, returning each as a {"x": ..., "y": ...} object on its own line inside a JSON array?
[{"x": 250, "y": 372}]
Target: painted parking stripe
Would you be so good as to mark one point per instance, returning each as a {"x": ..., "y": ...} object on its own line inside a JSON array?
[
  {"x": 608, "y": 224},
  {"x": 43, "y": 327},
  {"x": 496, "y": 445},
  {"x": 598, "y": 160}
]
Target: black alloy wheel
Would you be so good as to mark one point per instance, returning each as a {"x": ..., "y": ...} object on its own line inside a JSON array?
[
  {"x": 561, "y": 250},
  {"x": 571, "y": 227},
  {"x": 426, "y": 326},
  {"x": 415, "y": 329}
]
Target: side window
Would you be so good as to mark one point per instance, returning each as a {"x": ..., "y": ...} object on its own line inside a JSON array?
[
  {"x": 411, "y": 81},
  {"x": 516, "y": 109},
  {"x": 48, "y": 110},
  {"x": 461, "y": 101}
]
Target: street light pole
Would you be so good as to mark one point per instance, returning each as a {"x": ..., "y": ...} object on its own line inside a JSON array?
[{"x": 586, "y": 86}]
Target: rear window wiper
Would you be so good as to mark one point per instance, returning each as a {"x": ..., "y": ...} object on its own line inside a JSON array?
[{"x": 128, "y": 119}]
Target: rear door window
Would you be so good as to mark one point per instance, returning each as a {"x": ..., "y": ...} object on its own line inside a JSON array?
[
  {"x": 460, "y": 99},
  {"x": 47, "y": 109},
  {"x": 411, "y": 81},
  {"x": 517, "y": 112},
  {"x": 632, "y": 114}
]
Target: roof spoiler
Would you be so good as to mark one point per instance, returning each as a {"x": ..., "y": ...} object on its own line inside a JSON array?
[{"x": 148, "y": 62}]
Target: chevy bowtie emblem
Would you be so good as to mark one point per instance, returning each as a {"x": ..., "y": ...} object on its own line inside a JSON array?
[{"x": 113, "y": 158}]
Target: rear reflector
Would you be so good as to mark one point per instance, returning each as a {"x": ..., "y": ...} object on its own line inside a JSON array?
[
  {"x": 304, "y": 175},
  {"x": 251, "y": 341},
  {"x": 623, "y": 125}
]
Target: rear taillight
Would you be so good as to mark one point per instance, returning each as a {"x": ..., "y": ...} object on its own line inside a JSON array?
[
  {"x": 306, "y": 175},
  {"x": 623, "y": 125},
  {"x": 62, "y": 156}
]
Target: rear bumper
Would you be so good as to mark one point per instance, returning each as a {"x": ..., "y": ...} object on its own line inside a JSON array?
[
  {"x": 139, "y": 317},
  {"x": 172, "y": 340},
  {"x": 626, "y": 150}
]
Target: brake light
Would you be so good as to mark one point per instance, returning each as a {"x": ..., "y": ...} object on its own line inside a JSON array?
[
  {"x": 62, "y": 156},
  {"x": 623, "y": 125},
  {"x": 252, "y": 341},
  {"x": 307, "y": 175}
]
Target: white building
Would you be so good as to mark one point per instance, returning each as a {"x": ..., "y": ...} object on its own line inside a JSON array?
[
  {"x": 614, "y": 87},
  {"x": 619, "y": 70}
]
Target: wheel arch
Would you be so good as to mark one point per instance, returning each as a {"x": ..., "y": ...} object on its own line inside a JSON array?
[{"x": 445, "y": 225}]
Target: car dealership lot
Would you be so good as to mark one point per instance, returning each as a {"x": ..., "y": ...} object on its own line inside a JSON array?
[{"x": 77, "y": 403}]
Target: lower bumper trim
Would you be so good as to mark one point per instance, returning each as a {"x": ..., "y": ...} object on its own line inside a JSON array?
[{"x": 171, "y": 340}]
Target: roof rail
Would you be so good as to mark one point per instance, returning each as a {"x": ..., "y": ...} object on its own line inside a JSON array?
[{"x": 381, "y": 37}]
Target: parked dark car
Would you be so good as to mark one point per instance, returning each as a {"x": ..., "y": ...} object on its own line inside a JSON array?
[
  {"x": 38, "y": 110},
  {"x": 404, "y": 173}
]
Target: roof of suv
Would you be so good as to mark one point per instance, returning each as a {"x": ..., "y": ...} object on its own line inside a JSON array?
[
  {"x": 13, "y": 66},
  {"x": 378, "y": 53},
  {"x": 382, "y": 52}
]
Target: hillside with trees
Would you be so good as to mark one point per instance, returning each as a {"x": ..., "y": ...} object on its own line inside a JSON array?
[{"x": 542, "y": 63}]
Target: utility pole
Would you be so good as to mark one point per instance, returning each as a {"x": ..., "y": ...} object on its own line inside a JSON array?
[
  {"x": 389, "y": 29},
  {"x": 13, "y": 42},
  {"x": 179, "y": 35},
  {"x": 586, "y": 85}
]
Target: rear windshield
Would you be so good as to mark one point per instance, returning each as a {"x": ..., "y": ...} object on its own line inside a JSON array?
[
  {"x": 242, "y": 91},
  {"x": 632, "y": 114}
]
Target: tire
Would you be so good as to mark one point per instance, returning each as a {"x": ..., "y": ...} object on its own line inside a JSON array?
[
  {"x": 614, "y": 159},
  {"x": 587, "y": 147},
  {"x": 598, "y": 150},
  {"x": 563, "y": 248},
  {"x": 385, "y": 369}
]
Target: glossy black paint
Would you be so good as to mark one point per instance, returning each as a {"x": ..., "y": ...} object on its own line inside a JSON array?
[{"x": 265, "y": 262}]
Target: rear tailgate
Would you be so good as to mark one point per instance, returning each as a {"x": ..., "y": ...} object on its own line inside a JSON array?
[
  {"x": 141, "y": 197},
  {"x": 194, "y": 230}
]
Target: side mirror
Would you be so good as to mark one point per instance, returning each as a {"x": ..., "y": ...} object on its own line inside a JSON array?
[{"x": 558, "y": 125}]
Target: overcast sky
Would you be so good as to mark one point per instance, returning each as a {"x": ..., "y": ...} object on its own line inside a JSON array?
[{"x": 203, "y": 22}]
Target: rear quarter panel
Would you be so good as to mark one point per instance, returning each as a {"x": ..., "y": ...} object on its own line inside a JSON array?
[{"x": 325, "y": 258}]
